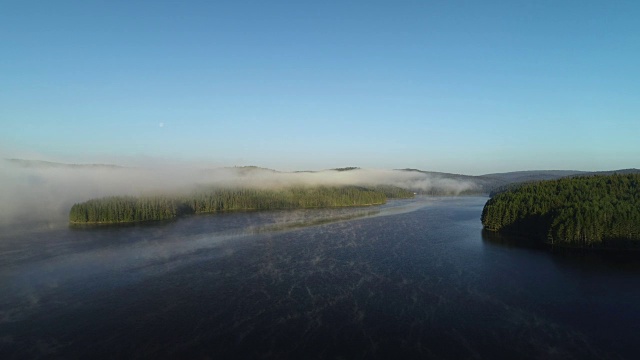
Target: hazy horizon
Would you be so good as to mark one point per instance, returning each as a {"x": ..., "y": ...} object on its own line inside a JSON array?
[{"x": 149, "y": 162}]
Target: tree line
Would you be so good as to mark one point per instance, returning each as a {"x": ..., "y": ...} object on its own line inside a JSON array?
[
  {"x": 589, "y": 211},
  {"x": 127, "y": 209}
]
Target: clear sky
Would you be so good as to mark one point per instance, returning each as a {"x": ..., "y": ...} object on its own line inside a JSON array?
[{"x": 457, "y": 86}]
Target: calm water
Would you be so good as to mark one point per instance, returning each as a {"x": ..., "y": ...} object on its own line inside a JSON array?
[{"x": 413, "y": 278}]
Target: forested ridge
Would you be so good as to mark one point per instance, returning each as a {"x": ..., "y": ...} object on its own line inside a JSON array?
[
  {"x": 126, "y": 209},
  {"x": 590, "y": 211}
]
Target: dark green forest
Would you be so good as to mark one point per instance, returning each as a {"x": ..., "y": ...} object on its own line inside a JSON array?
[
  {"x": 590, "y": 211},
  {"x": 122, "y": 209}
]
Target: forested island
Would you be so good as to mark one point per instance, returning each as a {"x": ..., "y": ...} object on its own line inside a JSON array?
[
  {"x": 586, "y": 212},
  {"x": 128, "y": 209}
]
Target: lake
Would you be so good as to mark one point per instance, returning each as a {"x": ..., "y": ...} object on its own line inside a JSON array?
[{"x": 410, "y": 279}]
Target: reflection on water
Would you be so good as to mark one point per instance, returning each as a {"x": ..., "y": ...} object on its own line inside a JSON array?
[
  {"x": 628, "y": 260},
  {"x": 511, "y": 241},
  {"x": 414, "y": 278}
]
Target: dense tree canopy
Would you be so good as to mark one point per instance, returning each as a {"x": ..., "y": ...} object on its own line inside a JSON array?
[
  {"x": 120, "y": 209},
  {"x": 593, "y": 211}
]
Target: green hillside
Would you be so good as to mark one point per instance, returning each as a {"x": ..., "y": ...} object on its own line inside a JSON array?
[{"x": 591, "y": 211}]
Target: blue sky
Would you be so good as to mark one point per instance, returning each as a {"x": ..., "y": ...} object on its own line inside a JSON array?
[{"x": 458, "y": 86}]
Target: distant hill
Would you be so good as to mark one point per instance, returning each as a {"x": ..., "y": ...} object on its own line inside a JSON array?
[
  {"x": 498, "y": 182},
  {"x": 49, "y": 164},
  {"x": 439, "y": 183},
  {"x": 348, "y": 168},
  {"x": 483, "y": 184},
  {"x": 246, "y": 170},
  {"x": 611, "y": 172},
  {"x": 533, "y": 175}
]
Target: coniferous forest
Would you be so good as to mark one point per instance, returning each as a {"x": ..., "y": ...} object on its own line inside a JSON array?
[
  {"x": 125, "y": 209},
  {"x": 591, "y": 212}
]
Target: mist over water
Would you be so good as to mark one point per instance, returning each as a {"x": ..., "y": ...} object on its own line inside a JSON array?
[
  {"x": 42, "y": 193},
  {"x": 412, "y": 278}
]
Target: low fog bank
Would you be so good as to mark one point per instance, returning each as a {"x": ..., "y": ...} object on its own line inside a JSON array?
[{"x": 38, "y": 192}]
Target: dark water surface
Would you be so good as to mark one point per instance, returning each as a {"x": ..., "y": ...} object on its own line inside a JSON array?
[{"x": 411, "y": 279}]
